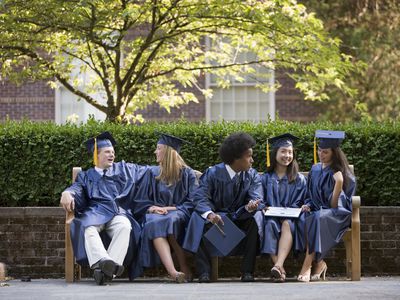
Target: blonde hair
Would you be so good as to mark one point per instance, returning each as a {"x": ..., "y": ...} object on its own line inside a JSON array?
[{"x": 171, "y": 166}]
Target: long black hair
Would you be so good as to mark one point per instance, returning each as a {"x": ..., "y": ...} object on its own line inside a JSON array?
[
  {"x": 292, "y": 169},
  {"x": 340, "y": 163}
]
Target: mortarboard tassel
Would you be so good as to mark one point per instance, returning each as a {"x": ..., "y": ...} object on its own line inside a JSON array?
[
  {"x": 315, "y": 151},
  {"x": 95, "y": 152},
  {"x": 268, "y": 160}
]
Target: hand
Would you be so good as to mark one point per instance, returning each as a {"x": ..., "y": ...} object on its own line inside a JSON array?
[
  {"x": 214, "y": 218},
  {"x": 305, "y": 208},
  {"x": 158, "y": 210},
  {"x": 252, "y": 205},
  {"x": 67, "y": 201},
  {"x": 338, "y": 176}
]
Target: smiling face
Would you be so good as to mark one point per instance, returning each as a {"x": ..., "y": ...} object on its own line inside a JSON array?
[
  {"x": 105, "y": 157},
  {"x": 284, "y": 156},
  {"x": 160, "y": 152},
  {"x": 325, "y": 155}
]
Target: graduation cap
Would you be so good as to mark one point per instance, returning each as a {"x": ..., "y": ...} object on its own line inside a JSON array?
[
  {"x": 224, "y": 237},
  {"x": 103, "y": 140},
  {"x": 283, "y": 140},
  {"x": 170, "y": 140},
  {"x": 327, "y": 139}
]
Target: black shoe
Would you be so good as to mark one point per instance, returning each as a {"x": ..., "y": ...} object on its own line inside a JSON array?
[
  {"x": 99, "y": 277},
  {"x": 204, "y": 278},
  {"x": 110, "y": 267},
  {"x": 247, "y": 277}
]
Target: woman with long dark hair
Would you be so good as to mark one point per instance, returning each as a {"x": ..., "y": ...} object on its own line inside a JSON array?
[
  {"x": 331, "y": 184},
  {"x": 283, "y": 186}
]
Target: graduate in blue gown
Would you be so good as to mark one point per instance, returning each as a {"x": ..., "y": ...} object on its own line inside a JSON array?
[
  {"x": 283, "y": 186},
  {"x": 164, "y": 208},
  {"x": 331, "y": 185},
  {"x": 231, "y": 188},
  {"x": 100, "y": 198}
]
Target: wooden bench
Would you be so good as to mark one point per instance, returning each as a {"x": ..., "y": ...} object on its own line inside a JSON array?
[
  {"x": 72, "y": 269},
  {"x": 351, "y": 241}
]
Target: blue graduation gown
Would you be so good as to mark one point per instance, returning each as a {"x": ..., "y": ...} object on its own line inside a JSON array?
[
  {"x": 279, "y": 193},
  {"x": 99, "y": 198},
  {"x": 325, "y": 225},
  {"x": 216, "y": 193},
  {"x": 156, "y": 192}
]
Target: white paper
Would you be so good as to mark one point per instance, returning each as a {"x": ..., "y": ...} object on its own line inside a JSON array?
[{"x": 284, "y": 212}]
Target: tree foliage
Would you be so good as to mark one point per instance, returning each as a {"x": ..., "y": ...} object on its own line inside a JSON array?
[
  {"x": 140, "y": 52},
  {"x": 370, "y": 31}
]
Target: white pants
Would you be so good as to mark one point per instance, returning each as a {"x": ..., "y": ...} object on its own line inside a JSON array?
[{"x": 119, "y": 230}]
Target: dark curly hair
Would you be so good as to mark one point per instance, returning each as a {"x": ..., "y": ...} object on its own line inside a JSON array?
[{"x": 234, "y": 146}]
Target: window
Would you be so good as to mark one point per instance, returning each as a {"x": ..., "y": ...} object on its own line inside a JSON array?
[
  {"x": 68, "y": 106},
  {"x": 242, "y": 101}
]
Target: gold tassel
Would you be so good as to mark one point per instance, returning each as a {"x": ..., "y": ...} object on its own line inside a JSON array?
[
  {"x": 95, "y": 152},
  {"x": 315, "y": 151},
  {"x": 268, "y": 160}
]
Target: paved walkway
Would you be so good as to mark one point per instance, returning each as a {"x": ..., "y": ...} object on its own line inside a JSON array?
[{"x": 377, "y": 288}]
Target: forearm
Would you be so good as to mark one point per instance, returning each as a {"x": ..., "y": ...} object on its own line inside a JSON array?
[{"x": 336, "y": 193}]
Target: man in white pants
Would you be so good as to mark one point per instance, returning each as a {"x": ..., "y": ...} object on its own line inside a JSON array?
[{"x": 103, "y": 228}]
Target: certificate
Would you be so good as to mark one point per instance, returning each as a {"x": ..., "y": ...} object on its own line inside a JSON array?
[{"x": 284, "y": 212}]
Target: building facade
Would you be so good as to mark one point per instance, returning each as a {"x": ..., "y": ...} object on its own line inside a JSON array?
[{"x": 241, "y": 102}]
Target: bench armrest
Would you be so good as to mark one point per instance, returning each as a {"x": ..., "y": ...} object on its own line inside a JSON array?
[{"x": 356, "y": 201}]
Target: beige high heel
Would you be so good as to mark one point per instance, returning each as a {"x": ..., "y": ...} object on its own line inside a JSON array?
[
  {"x": 316, "y": 277},
  {"x": 304, "y": 277}
]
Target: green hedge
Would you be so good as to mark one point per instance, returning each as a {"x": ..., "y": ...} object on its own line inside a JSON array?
[{"x": 36, "y": 158}]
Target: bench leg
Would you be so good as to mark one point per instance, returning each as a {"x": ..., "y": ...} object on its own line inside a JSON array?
[
  {"x": 214, "y": 268},
  {"x": 69, "y": 256},
  {"x": 348, "y": 246},
  {"x": 356, "y": 252}
]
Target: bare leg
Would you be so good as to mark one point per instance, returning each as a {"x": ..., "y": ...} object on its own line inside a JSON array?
[
  {"x": 181, "y": 256},
  {"x": 164, "y": 251},
  {"x": 307, "y": 263},
  {"x": 285, "y": 244},
  {"x": 318, "y": 267}
]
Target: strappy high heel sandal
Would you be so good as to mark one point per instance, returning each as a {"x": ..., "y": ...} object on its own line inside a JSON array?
[
  {"x": 278, "y": 274},
  {"x": 180, "y": 277},
  {"x": 317, "y": 277},
  {"x": 305, "y": 277}
]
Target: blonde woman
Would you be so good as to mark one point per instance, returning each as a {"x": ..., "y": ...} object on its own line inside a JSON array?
[{"x": 164, "y": 205}]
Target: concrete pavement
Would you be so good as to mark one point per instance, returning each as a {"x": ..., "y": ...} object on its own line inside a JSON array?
[{"x": 377, "y": 288}]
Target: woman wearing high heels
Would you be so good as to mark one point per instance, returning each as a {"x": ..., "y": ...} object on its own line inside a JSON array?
[
  {"x": 331, "y": 184},
  {"x": 164, "y": 205},
  {"x": 283, "y": 186}
]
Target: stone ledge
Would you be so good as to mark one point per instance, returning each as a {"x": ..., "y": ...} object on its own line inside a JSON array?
[
  {"x": 32, "y": 211},
  {"x": 26, "y": 100},
  {"x": 371, "y": 210}
]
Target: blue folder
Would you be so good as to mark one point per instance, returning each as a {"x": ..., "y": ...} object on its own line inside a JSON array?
[{"x": 224, "y": 237}]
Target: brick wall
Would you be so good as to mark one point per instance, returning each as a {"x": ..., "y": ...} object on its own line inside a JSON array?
[
  {"x": 32, "y": 243},
  {"x": 192, "y": 111},
  {"x": 290, "y": 105},
  {"x": 31, "y": 100}
]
